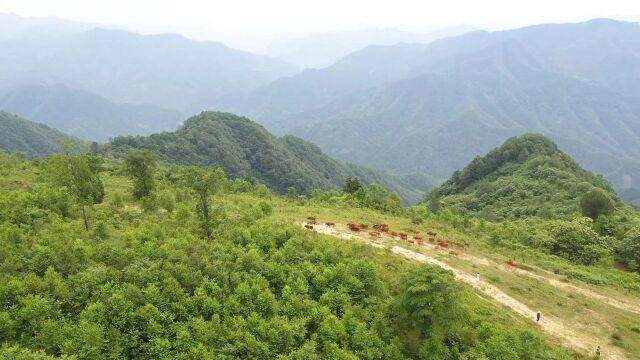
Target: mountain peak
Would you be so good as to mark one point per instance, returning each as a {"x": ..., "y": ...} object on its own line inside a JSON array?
[{"x": 528, "y": 175}]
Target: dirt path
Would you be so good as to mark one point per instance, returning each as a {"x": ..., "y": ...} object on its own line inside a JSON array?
[
  {"x": 551, "y": 325},
  {"x": 551, "y": 279}
]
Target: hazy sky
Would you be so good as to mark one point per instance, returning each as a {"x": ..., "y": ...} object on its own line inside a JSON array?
[{"x": 249, "y": 23}]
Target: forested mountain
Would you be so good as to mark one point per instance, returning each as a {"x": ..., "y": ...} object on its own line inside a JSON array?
[
  {"x": 245, "y": 149},
  {"x": 36, "y": 140},
  {"x": 525, "y": 176},
  {"x": 434, "y": 107},
  {"x": 166, "y": 70},
  {"x": 323, "y": 49},
  {"x": 84, "y": 114}
]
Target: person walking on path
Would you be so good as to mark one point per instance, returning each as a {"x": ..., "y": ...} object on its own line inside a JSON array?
[
  {"x": 538, "y": 315},
  {"x": 598, "y": 351},
  {"x": 478, "y": 276}
]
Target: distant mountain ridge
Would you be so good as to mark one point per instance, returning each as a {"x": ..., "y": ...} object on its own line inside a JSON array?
[
  {"x": 323, "y": 49},
  {"x": 166, "y": 70},
  {"x": 245, "y": 149},
  {"x": 432, "y": 108},
  {"x": 86, "y": 115}
]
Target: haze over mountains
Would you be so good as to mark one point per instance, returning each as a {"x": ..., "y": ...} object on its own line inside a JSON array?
[
  {"x": 85, "y": 114},
  {"x": 323, "y": 49},
  {"x": 405, "y": 108},
  {"x": 432, "y": 108},
  {"x": 166, "y": 74}
]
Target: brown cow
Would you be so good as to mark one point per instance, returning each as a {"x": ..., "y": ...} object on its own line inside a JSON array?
[
  {"x": 512, "y": 263},
  {"x": 454, "y": 253},
  {"x": 403, "y": 236},
  {"x": 309, "y": 226},
  {"x": 374, "y": 234},
  {"x": 330, "y": 223}
]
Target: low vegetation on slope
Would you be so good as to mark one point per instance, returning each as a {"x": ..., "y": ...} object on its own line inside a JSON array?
[
  {"x": 245, "y": 149},
  {"x": 36, "y": 140},
  {"x": 544, "y": 200},
  {"x": 202, "y": 270}
]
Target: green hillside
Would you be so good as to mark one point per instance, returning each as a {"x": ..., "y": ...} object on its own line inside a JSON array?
[
  {"x": 526, "y": 176},
  {"x": 36, "y": 140},
  {"x": 144, "y": 282},
  {"x": 245, "y": 149}
]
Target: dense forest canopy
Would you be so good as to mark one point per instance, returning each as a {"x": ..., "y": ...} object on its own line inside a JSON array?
[
  {"x": 145, "y": 282},
  {"x": 245, "y": 149},
  {"x": 526, "y": 176},
  {"x": 35, "y": 140}
]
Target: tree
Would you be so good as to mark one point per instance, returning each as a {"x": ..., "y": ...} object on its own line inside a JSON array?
[
  {"x": 595, "y": 203},
  {"x": 292, "y": 193},
  {"x": 141, "y": 166},
  {"x": 79, "y": 175},
  {"x": 430, "y": 298},
  {"x": 352, "y": 185},
  {"x": 577, "y": 241},
  {"x": 629, "y": 248},
  {"x": 204, "y": 182}
]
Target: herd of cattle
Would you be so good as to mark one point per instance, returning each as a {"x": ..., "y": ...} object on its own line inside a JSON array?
[{"x": 414, "y": 238}]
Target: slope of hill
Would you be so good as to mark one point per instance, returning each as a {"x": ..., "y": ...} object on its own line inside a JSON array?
[
  {"x": 17, "y": 134},
  {"x": 144, "y": 282},
  {"x": 166, "y": 70},
  {"x": 86, "y": 115},
  {"x": 434, "y": 107},
  {"x": 525, "y": 176},
  {"x": 245, "y": 149}
]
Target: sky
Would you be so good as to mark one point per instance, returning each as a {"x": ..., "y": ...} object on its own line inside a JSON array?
[{"x": 254, "y": 23}]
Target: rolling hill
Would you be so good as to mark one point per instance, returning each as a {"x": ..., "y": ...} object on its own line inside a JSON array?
[
  {"x": 36, "y": 140},
  {"x": 525, "y": 176},
  {"x": 245, "y": 149}
]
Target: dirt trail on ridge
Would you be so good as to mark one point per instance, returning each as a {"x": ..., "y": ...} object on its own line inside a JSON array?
[{"x": 551, "y": 325}]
